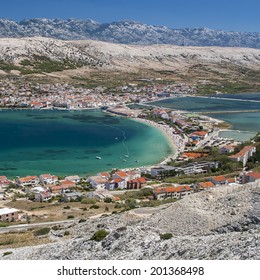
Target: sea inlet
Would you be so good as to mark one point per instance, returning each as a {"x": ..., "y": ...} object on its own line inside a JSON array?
[
  {"x": 75, "y": 142},
  {"x": 241, "y": 111}
]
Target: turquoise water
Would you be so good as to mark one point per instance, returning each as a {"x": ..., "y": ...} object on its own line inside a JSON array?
[
  {"x": 237, "y": 135},
  {"x": 246, "y": 122},
  {"x": 65, "y": 142},
  {"x": 198, "y": 104},
  {"x": 241, "y": 121}
]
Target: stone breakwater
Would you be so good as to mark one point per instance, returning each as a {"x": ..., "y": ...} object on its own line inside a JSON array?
[{"x": 222, "y": 223}]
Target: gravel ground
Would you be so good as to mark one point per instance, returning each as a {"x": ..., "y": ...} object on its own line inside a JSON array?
[{"x": 222, "y": 223}]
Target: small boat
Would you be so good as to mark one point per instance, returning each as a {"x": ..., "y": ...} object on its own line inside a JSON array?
[
  {"x": 97, "y": 157},
  {"x": 116, "y": 138},
  {"x": 136, "y": 160},
  {"x": 126, "y": 155},
  {"x": 124, "y": 159}
]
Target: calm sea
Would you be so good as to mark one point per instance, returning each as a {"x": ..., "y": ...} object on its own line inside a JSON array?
[
  {"x": 64, "y": 143},
  {"x": 245, "y": 124}
]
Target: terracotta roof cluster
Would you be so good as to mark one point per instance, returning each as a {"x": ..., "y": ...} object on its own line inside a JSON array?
[
  {"x": 4, "y": 180},
  {"x": 194, "y": 155},
  {"x": 200, "y": 133},
  {"x": 243, "y": 152},
  {"x": 219, "y": 178},
  {"x": 121, "y": 174},
  {"x": 254, "y": 175},
  {"x": 140, "y": 180},
  {"x": 67, "y": 184},
  {"x": 104, "y": 174},
  {"x": 206, "y": 185},
  {"x": 171, "y": 189},
  {"x": 28, "y": 178}
]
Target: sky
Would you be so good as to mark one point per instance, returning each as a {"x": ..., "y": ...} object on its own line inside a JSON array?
[{"x": 228, "y": 15}]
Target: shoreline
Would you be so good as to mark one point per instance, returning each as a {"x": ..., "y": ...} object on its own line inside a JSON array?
[{"x": 175, "y": 141}]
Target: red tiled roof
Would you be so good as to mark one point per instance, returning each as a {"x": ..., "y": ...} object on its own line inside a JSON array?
[
  {"x": 121, "y": 174},
  {"x": 104, "y": 174},
  {"x": 219, "y": 178},
  {"x": 255, "y": 175},
  {"x": 200, "y": 133},
  {"x": 205, "y": 185},
  {"x": 243, "y": 152},
  {"x": 231, "y": 180},
  {"x": 28, "y": 178},
  {"x": 141, "y": 180},
  {"x": 118, "y": 180},
  {"x": 172, "y": 189},
  {"x": 194, "y": 155}
]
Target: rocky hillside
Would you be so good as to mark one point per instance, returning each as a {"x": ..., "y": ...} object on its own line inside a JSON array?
[
  {"x": 126, "y": 32},
  {"x": 27, "y": 52},
  {"x": 222, "y": 223}
]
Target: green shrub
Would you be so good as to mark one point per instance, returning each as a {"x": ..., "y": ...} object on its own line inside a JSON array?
[
  {"x": 165, "y": 236},
  {"x": 117, "y": 206},
  {"x": 26, "y": 62},
  {"x": 3, "y": 225},
  {"x": 94, "y": 207},
  {"x": 99, "y": 235},
  {"x": 41, "y": 231},
  {"x": 82, "y": 221},
  {"x": 88, "y": 201},
  {"x": 108, "y": 200},
  {"x": 7, "y": 253},
  {"x": 66, "y": 233},
  {"x": 70, "y": 217},
  {"x": 66, "y": 207}
]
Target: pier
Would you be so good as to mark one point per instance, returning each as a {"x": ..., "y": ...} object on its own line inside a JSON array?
[
  {"x": 228, "y": 112},
  {"x": 224, "y": 98}
]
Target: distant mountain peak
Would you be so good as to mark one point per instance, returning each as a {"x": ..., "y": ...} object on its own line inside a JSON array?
[{"x": 126, "y": 32}]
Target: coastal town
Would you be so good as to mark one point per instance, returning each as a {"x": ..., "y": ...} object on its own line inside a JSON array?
[
  {"x": 66, "y": 96},
  {"x": 201, "y": 159}
]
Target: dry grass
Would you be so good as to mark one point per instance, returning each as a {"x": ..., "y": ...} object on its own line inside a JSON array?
[
  {"x": 21, "y": 239},
  {"x": 48, "y": 212}
]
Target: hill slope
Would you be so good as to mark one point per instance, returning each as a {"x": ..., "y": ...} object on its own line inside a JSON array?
[
  {"x": 222, "y": 223},
  {"x": 123, "y": 56}
]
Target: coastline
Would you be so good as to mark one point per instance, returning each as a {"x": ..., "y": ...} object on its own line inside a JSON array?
[{"x": 175, "y": 141}]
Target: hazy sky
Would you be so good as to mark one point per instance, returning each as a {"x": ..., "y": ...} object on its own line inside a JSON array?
[{"x": 229, "y": 15}]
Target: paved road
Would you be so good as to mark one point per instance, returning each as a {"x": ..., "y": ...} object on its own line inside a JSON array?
[
  {"x": 28, "y": 226},
  {"x": 207, "y": 139},
  {"x": 21, "y": 227}
]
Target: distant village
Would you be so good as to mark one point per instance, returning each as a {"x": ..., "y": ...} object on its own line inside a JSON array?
[
  {"x": 65, "y": 96},
  {"x": 193, "y": 137}
]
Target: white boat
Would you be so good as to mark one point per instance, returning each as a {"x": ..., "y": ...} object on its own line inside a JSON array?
[
  {"x": 97, "y": 157},
  {"x": 126, "y": 155}
]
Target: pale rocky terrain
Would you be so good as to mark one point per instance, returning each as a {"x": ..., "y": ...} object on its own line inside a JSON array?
[
  {"x": 221, "y": 223},
  {"x": 126, "y": 32},
  {"x": 126, "y": 57}
]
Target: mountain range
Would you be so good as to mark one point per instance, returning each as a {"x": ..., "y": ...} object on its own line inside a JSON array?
[{"x": 126, "y": 32}]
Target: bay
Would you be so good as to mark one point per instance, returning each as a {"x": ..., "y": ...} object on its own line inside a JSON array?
[{"x": 68, "y": 142}]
